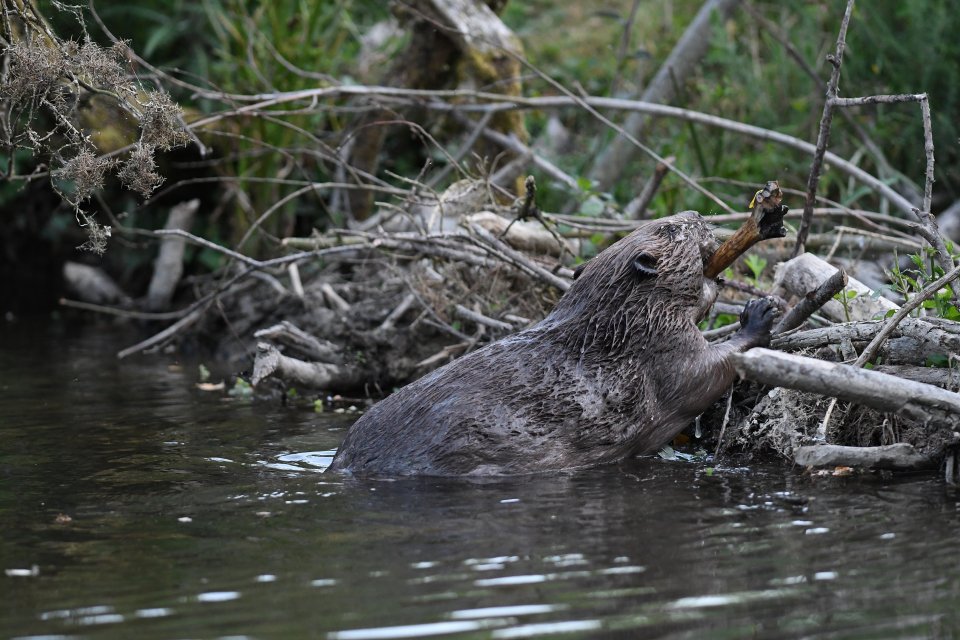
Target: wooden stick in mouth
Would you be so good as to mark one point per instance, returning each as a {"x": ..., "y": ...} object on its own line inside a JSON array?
[{"x": 766, "y": 222}]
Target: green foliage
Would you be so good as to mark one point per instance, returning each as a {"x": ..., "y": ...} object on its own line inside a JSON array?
[
  {"x": 756, "y": 264},
  {"x": 283, "y": 46},
  {"x": 910, "y": 282},
  {"x": 909, "y": 47},
  {"x": 844, "y": 297},
  {"x": 749, "y": 76}
]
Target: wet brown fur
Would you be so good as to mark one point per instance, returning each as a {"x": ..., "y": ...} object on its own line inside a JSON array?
[{"x": 617, "y": 368}]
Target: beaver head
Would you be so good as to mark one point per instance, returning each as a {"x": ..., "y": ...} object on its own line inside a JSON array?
[{"x": 644, "y": 283}]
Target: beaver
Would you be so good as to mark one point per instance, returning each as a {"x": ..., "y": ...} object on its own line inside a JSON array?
[{"x": 618, "y": 368}]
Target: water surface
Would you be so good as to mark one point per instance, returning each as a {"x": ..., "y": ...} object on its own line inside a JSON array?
[{"x": 132, "y": 504}]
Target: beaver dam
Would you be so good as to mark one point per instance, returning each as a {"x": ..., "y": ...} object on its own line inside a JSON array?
[
  {"x": 352, "y": 315},
  {"x": 381, "y": 277}
]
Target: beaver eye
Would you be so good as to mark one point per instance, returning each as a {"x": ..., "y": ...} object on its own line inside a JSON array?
[{"x": 645, "y": 264}]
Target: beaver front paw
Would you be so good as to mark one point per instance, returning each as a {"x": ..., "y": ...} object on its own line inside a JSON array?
[{"x": 757, "y": 319}]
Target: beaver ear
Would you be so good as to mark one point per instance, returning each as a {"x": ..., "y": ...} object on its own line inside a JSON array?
[
  {"x": 645, "y": 264},
  {"x": 579, "y": 270}
]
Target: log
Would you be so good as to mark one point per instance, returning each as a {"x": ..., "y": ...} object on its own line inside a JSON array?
[
  {"x": 531, "y": 236},
  {"x": 812, "y": 302},
  {"x": 806, "y": 272},
  {"x": 168, "y": 267},
  {"x": 290, "y": 335},
  {"x": 92, "y": 284},
  {"x": 897, "y": 457},
  {"x": 926, "y": 337},
  {"x": 939, "y": 376},
  {"x": 270, "y": 362},
  {"x": 922, "y": 402}
]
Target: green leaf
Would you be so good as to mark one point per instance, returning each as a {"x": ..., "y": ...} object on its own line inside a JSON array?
[{"x": 756, "y": 264}]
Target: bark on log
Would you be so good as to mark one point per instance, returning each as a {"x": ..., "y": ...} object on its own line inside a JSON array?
[
  {"x": 898, "y": 457},
  {"x": 937, "y": 339},
  {"x": 939, "y": 376},
  {"x": 925, "y": 403}
]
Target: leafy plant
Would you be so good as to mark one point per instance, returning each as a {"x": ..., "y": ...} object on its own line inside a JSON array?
[
  {"x": 756, "y": 264},
  {"x": 910, "y": 282},
  {"x": 844, "y": 297}
]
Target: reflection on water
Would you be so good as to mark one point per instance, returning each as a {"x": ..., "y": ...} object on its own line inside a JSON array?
[{"x": 134, "y": 505}]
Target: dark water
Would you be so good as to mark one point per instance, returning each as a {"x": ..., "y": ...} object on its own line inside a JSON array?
[{"x": 195, "y": 515}]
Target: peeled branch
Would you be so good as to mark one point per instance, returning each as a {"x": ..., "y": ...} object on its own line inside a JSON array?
[
  {"x": 530, "y": 236},
  {"x": 765, "y": 223}
]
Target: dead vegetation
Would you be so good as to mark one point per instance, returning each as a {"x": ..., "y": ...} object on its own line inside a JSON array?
[{"x": 422, "y": 274}]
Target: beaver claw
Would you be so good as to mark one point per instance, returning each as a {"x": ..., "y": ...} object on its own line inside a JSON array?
[{"x": 757, "y": 318}]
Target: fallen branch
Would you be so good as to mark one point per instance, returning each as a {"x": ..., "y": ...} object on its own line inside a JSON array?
[
  {"x": 481, "y": 319},
  {"x": 812, "y": 302},
  {"x": 168, "y": 266},
  {"x": 92, "y": 284},
  {"x": 287, "y": 333},
  {"x": 939, "y": 376},
  {"x": 315, "y": 375},
  {"x": 897, "y": 457},
  {"x": 943, "y": 341},
  {"x": 501, "y": 250},
  {"x": 806, "y": 272},
  {"x": 922, "y": 402}
]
